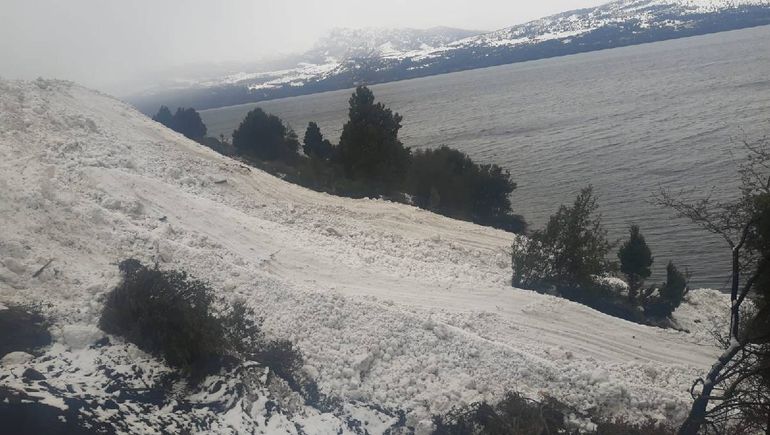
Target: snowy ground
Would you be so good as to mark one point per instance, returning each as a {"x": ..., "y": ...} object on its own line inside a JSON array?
[{"x": 389, "y": 304}]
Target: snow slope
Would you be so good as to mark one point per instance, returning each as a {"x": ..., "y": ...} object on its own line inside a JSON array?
[{"x": 390, "y": 304}]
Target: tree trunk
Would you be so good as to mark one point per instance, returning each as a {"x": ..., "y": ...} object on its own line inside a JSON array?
[
  {"x": 697, "y": 414},
  {"x": 735, "y": 311}
]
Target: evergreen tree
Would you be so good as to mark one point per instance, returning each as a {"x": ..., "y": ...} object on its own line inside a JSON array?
[
  {"x": 675, "y": 288},
  {"x": 369, "y": 147},
  {"x": 188, "y": 122},
  {"x": 635, "y": 261},
  {"x": 264, "y": 136},
  {"x": 164, "y": 116},
  {"x": 315, "y": 144},
  {"x": 568, "y": 253}
]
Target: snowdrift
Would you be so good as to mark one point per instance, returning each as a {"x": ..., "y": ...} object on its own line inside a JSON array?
[{"x": 390, "y": 305}]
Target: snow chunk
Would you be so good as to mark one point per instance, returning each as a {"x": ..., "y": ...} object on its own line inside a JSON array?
[
  {"x": 80, "y": 336},
  {"x": 16, "y": 358}
]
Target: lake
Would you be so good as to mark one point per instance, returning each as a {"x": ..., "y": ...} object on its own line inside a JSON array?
[{"x": 628, "y": 121}]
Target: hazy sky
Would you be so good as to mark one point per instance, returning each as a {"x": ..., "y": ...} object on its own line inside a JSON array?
[{"x": 103, "y": 42}]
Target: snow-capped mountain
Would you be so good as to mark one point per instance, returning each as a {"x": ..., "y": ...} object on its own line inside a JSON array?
[
  {"x": 345, "y": 58},
  {"x": 368, "y": 42}
]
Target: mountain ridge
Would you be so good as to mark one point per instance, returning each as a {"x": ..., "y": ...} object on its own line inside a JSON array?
[{"x": 346, "y": 58}]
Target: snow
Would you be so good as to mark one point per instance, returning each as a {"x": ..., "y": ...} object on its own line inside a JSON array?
[
  {"x": 15, "y": 358},
  {"x": 391, "y": 305}
]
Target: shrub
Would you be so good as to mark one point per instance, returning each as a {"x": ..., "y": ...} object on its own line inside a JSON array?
[
  {"x": 515, "y": 414},
  {"x": 265, "y": 137},
  {"x": 670, "y": 295},
  {"x": 169, "y": 315},
  {"x": 165, "y": 314},
  {"x": 447, "y": 181},
  {"x": 635, "y": 261}
]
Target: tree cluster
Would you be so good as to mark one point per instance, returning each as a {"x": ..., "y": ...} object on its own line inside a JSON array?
[
  {"x": 370, "y": 160},
  {"x": 569, "y": 257},
  {"x": 186, "y": 121}
]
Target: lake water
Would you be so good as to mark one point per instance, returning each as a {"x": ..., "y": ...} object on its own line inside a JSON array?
[{"x": 628, "y": 121}]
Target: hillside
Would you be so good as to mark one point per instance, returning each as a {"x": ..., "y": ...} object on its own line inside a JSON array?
[
  {"x": 392, "y": 306},
  {"x": 346, "y": 58}
]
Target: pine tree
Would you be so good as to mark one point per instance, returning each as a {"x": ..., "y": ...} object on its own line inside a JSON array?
[
  {"x": 188, "y": 122},
  {"x": 164, "y": 116},
  {"x": 315, "y": 144},
  {"x": 265, "y": 137},
  {"x": 675, "y": 288},
  {"x": 369, "y": 147},
  {"x": 635, "y": 261}
]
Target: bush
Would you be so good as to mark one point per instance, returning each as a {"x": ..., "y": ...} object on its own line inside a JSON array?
[
  {"x": 516, "y": 414},
  {"x": 448, "y": 182},
  {"x": 165, "y": 314},
  {"x": 513, "y": 415},
  {"x": 669, "y": 296},
  {"x": 265, "y": 137},
  {"x": 169, "y": 315}
]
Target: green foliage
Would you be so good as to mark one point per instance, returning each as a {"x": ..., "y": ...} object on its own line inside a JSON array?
[
  {"x": 315, "y": 146},
  {"x": 635, "y": 261},
  {"x": 569, "y": 252},
  {"x": 369, "y": 148},
  {"x": 265, "y": 137}
]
